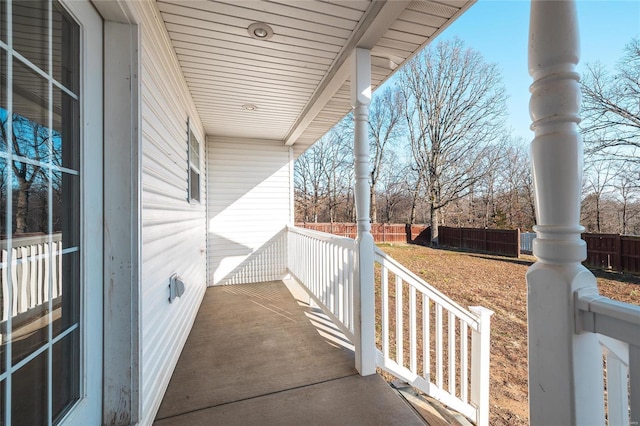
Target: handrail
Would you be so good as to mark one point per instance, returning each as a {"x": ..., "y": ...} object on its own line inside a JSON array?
[
  {"x": 617, "y": 325},
  {"x": 30, "y": 240},
  {"x": 430, "y": 310},
  {"x": 323, "y": 236},
  {"x": 324, "y": 265},
  {"x": 434, "y": 294},
  {"x": 599, "y": 314}
]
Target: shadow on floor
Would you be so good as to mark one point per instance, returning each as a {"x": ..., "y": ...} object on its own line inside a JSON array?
[{"x": 254, "y": 358}]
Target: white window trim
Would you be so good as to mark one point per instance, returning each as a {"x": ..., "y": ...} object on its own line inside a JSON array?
[{"x": 191, "y": 165}]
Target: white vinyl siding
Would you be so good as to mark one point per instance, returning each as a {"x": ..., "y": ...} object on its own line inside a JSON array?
[
  {"x": 173, "y": 230},
  {"x": 249, "y": 206}
]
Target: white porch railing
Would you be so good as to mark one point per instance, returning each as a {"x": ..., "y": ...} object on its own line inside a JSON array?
[
  {"x": 447, "y": 355},
  {"x": 452, "y": 367},
  {"x": 618, "y": 327},
  {"x": 324, "y": 265},
  {"x": 30, "y": 273}
]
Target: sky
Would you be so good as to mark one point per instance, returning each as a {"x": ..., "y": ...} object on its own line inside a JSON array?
[{"x": 499, "y": 30}]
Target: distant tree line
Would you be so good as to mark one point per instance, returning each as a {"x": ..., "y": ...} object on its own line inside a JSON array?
[
  {"x": 611, "y": 133},
  {"x": 441, "y": 153}
]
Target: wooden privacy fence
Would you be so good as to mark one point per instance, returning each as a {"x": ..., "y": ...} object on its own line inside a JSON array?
[
  {"x": 613, "y": 251},
  {"x": 496, "y": 241},
  {"x": 382, "y": 232},
  {"x": 505, "y": 242},
  {"x": 607, "y": 251}
]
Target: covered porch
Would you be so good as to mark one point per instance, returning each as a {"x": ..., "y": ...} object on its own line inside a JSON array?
[
  {"x": 255, "y": 356},
  {"x": 259, "y": 82},
  {"x": 289, "y": 351}
]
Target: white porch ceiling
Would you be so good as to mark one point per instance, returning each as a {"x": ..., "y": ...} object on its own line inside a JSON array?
[{"x": 298, "y": 79}]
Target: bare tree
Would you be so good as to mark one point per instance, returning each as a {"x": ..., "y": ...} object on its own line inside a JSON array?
[
  {"x": 29, "y": 140},
  {"x": 385, "y": 126},
  {"x": 322, "y": 177},
  {"x": 308, "y": 181},
  {"x": 414, "y": 182},
  {"x": 596, "y": 184},
  {"x": 392, "y": 189},
  {"x": 626, "y": 184},
  {"x": 489, "y": 185},
  {"x": 338, "y": 156},
  {"x": 516, "y": 187},
  {"x": 611, "y": 106},
  {"x": 454, "y": 105}
]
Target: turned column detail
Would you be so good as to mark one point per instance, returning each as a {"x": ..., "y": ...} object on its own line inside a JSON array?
[
  {"x": 565, "y": 368},
  {"x": 364, "y": 308}
]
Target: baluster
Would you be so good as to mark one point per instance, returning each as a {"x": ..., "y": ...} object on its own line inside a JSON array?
[
  {"x": 617, "y": 391},
  {"x": 345, "y": 288},
  {"x": 33, "y": 278},
  {"x": 426, "y": 337},
  {"x": 315, "y": 265},
  {"x": 307, "y": 264},
  {"x": 47, "y": 272},
  {"x": 23, "y": 268},
  {"x": 464, "y": 361},
  {"x": 452, "y": 353},
  {"x": 384, "y": 307},
  {"x": 305, "y": 261},
  {"x": 319, "y": 270},
  {"x": 59, "y": 275},
  {"x": 413, "y": 362},
  {"x": 336, "y": 279},
  {"x": 340, "y": 284},
  {"x": 299, "y": 256},
  {"x": 5, "y": 286},
  {"x": 14, "y": 281},
  {"x": 325, "y": 267},
  {"x": 352, "y": 284},
  {"x": 326, "y": 279},
  {"x": 439, "y": 372},
  {"x": 326, "y": 283},
  {"x": 399, "y": 327},
  {"x": 39, "y": 277},
  {"x": 331, "y": 278}
]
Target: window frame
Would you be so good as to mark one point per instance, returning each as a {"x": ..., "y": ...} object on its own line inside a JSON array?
[
  {"x": 83, "y": 400},
  {"x": 192, "y": 166}
]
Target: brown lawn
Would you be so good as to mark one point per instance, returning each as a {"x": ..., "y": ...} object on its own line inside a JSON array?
[{"x": 498, "y": 283}]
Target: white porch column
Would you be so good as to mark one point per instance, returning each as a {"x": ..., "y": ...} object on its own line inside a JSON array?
[
  {"x": 565, "y": 368},
  {"x": 363, "y": 286}
]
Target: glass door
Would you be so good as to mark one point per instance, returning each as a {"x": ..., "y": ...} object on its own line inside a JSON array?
[{"x": 50, "y": 225}]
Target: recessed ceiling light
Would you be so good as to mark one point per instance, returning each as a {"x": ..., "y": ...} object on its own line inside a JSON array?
[
  {"x": 260, "y": 31},
  {"x": 249, "y": 107}
]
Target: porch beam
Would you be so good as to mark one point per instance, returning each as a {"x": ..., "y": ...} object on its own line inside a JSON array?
[
  {"x": 116, "y": 11},
  {"x": 565, "y": 368},
  {"x": 364, "y": 293},
  {"x": 376, "y": 21}
]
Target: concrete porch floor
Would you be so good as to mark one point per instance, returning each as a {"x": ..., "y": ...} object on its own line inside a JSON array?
[{"x": 254, "y": 358}]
